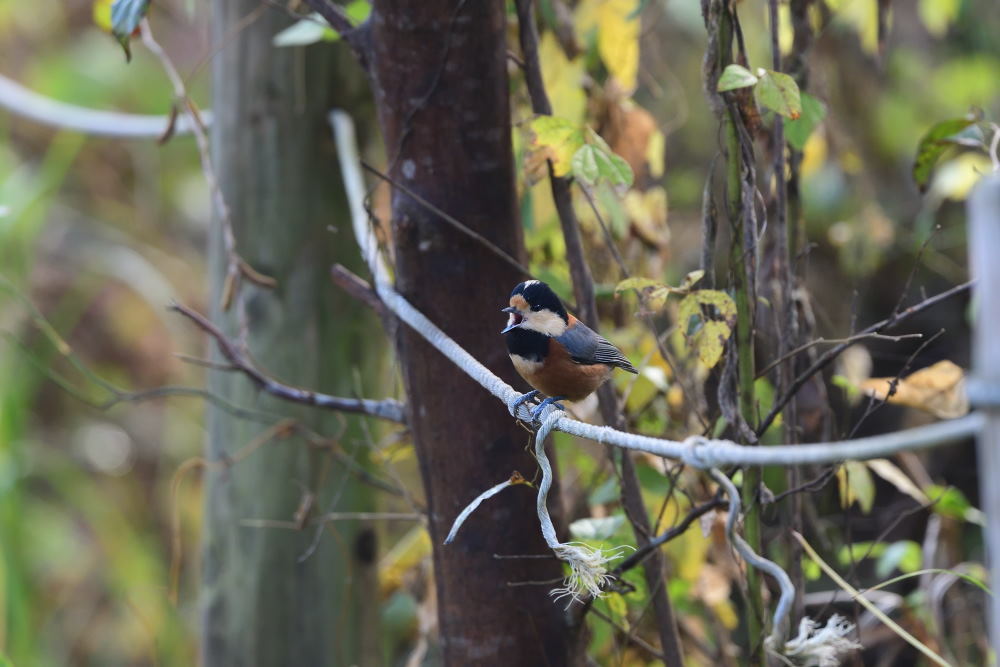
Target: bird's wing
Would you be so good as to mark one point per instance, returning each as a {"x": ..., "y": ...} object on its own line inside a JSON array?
[{"x": 586, "y": 346}]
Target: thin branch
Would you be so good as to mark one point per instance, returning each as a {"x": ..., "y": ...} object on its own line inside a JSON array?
[
  {"x": 355, "y": 36},
  {"x": 237, "y": 267},
  {"x": 674, "y": 532},
  {"x": 824, "y": 359},
  {"x": 583, "y": 282},
  {"x": 358, "y": 288},
  {"x": 450, "y": 219},
  {"x": 389, "y": 409},
  {"x": 834, "y": 341},
  {"x": 630, "y": 636}
]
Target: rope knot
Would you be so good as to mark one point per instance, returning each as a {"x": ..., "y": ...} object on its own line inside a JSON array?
[{"x": 694, "y": 452}]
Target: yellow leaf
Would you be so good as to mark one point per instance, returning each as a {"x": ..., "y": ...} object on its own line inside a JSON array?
[
  {"x": 786, "y": 34},
  {"x": 405, "y": 555},
  {"x": 618, "y": 608},
  {"x": 654, "y": 153},
  {"x": 938, "y": 15},
  {"x": 102, "y": 14},
  {"x": 937, "y": 389},
  {"x": 560, "y": 138},
  {"x": 814, "y": 153},
  {"x": 635, "y": 282},
  {"x": 856, "y": 485},
  {"x": 955, "y": 178},
  {"x": 563, "y": 80},
  {"x": 711, "y": 341},
  {"x": 618, "y": 40},
  {"x": 862, "y": 15}
]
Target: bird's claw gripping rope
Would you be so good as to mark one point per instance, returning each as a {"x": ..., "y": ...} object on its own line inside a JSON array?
[{"x": 551, "y": 400}]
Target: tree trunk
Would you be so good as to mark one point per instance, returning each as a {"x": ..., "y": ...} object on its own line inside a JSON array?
[
  {"x": 261, "y": 603},
  {"x": 439, "y": 71}
]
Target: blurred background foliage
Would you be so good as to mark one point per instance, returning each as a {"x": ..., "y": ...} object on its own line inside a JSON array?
[{"x": 100, "y": 235}]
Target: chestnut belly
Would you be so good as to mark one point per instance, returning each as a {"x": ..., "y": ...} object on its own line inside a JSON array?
[{"x": 558, "y": 375}]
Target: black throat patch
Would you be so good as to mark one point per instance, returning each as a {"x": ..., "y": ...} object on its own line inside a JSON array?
[{"x": 528, "y": 344}]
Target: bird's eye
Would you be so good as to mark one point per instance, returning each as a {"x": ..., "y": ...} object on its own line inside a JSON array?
[{"x": 536, "y": 308}]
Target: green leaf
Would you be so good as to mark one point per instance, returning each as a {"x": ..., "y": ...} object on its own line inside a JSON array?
[
  {"x": 735, "y": 76},
  {"x": 358, "y": 11},
  {"x": 606, "y": 493},
  {"x": 307, "y": 31},
  {"x": 592, "y": 164},
  {"x": 798, "y": 131},
  {"x": 779, "y": 92},
  {"x": 935, "y": 142},
  {"x": 561, "y": 138},
  {"x": 950, "y": 502},
  {"x": 904, "y": 555},
  {"x": 595, "y": 528},
  {"x": 851, "y": 553},
  {"x": 585, "y": 164},
  {"x": 315, "y": 28},
  {"x": 126, "y": 15}
]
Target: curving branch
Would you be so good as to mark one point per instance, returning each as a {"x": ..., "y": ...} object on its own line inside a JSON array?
[{"x": 389, "y": 409}]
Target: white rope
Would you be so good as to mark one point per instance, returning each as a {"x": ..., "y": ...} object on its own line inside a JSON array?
[
  {"x": 696, "y": 451},
  {"x": 27, "y": 103}
]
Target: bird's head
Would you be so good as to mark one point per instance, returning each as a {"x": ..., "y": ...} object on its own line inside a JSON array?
[{"x": 535, "y": 307}]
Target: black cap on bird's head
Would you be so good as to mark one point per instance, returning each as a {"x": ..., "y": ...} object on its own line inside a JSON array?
[{"x": 534, "y": 305}]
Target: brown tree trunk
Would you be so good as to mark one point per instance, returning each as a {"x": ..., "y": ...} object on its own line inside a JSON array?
[{"x": 439, "y": 70}]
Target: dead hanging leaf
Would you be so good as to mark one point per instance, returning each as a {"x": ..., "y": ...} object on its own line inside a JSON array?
[
  {"x": 632, "y": 133},
  {"x": 891, "y": 473},
  {"x": 856, "y": 485},
  {"x": 937, "y": 389},
  {"x": 648, "y": 214}
]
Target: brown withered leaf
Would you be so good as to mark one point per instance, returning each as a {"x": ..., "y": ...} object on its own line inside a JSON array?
[{"x": 938, "y": 389}]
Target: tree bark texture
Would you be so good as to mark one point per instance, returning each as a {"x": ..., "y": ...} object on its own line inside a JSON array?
[
  {"x": 261, "y": 603},
  {"x": 439, "y": 71}
]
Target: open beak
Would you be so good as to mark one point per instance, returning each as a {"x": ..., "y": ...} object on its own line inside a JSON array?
[{"x": 515, "y": 320}]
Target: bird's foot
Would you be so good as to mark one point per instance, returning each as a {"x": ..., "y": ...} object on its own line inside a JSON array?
[
  {"x": 551, "y": 400},
  {"x": 517, "y": 402}
]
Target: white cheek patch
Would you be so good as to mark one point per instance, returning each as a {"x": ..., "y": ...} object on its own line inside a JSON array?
[
  {"x": 526, "y": 367},
  {"x": 545, "y": 322}
]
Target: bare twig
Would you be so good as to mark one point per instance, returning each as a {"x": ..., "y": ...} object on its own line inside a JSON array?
[
  {"x": 237, "y": 267},
  {"x": 693, "y": 515},
  {"x": 358, "y": 288},
  {"x": 450, "y": 219},
  {"x": 389, "y": 409},
  {"x": 630, "y": 636},
  {"x": 827, "y": 357},
  {"x": 834, "y": 341}
]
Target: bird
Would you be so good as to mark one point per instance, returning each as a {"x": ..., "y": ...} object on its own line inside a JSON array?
[{"x": 557, "y": 354}]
